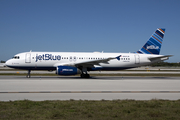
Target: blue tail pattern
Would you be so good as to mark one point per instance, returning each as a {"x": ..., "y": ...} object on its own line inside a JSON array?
[{"x": 153, "y": 45}]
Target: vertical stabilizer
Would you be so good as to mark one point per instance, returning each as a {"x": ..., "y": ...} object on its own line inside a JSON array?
[{"x": 153, "y": 45}]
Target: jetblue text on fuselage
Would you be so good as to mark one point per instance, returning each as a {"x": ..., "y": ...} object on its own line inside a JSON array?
[{"x": 47, "y": 57}]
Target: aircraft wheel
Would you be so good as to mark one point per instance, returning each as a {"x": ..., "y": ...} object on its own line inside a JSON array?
[
  {"x": 85, "y": 75},
  {"x": 28, "y": 76},
  {"x": 82, "y": 75}
]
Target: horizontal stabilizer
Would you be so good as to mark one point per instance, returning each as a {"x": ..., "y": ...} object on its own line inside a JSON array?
[{"x": 165, "y": 57}]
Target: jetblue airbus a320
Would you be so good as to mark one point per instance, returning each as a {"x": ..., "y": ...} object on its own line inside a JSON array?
[{"x": 72, "y": 63}]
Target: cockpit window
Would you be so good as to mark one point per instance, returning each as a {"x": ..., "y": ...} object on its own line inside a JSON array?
[{"x": 16, "y": 57}]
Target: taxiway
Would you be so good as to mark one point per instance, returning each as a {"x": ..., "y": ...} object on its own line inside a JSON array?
[{"x": 40, "y": 88}]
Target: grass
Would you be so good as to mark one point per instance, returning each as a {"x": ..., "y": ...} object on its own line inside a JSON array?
[{"x": 90, "y": 110}]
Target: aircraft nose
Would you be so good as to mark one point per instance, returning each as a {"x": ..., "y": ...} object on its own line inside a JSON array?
[{"x": 8, "y": 62}]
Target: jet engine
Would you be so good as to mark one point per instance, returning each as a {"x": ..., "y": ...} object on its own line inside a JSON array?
[{"x": 67, "y": 70}]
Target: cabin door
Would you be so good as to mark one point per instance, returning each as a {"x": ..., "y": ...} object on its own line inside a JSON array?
[{"x": 28, "y": 58}]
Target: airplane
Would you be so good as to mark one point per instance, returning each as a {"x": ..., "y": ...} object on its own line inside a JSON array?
[{"x": 72, "y": 63}]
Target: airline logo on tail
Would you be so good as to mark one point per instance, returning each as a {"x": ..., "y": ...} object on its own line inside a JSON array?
[{"x": 153, "y": 45}]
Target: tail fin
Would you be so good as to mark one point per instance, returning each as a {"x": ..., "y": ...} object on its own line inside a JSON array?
[{"x": 153, "y": 45}]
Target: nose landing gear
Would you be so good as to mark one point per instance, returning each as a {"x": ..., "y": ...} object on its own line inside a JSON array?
[{"x": 29, "y": 74}]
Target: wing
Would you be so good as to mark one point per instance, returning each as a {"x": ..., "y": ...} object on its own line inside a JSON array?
[{"x": 89, "y": 63}]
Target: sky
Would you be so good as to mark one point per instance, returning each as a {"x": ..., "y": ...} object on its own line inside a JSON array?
[{"x": 87, "y": 26}]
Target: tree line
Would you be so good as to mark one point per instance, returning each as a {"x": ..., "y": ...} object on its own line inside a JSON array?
[
  {"x": 3, "y": 61},
  {"x": 165, "y": 64}
]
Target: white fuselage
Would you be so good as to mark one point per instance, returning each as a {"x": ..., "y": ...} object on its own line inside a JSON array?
[{"x": 50, "y": 60}]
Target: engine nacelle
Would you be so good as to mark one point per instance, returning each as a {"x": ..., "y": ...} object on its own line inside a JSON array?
[{"x": 67, "y": 70}]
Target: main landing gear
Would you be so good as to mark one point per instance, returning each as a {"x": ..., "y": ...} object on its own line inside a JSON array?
[
  {"x": 84, "y": 73},
  {"x": 29, "y": 74}
]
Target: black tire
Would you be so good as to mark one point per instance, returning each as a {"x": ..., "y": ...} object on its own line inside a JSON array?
[
  {"x": 28, "y": 76},
  {"x": 85, "y": 75}
]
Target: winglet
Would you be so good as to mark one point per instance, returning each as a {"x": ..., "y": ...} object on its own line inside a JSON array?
[{"x": 118, "y": 57}]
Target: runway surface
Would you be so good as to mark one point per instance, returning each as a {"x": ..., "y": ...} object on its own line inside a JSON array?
[
  {"x": 39, "y": 88},
  {"x": 100, "y": 72}
]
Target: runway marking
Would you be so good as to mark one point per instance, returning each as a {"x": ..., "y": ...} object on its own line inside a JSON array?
[{"x": 92, "y": 92}]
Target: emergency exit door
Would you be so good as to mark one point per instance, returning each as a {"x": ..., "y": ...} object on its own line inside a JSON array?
[{"x": 137, "y": 59}]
